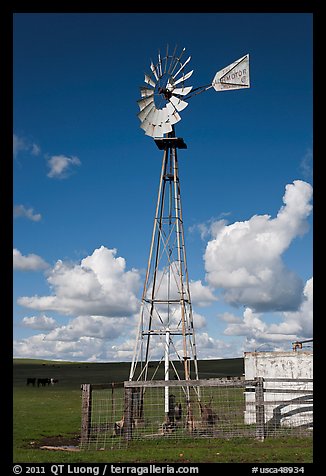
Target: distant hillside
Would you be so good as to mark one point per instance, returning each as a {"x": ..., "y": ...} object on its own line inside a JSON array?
[{"x": 73, "y": 374}]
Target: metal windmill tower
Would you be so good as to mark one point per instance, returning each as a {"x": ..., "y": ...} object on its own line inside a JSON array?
[{"x": 166, "y": 332}]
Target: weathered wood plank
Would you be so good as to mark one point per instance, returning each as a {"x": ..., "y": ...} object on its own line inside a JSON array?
[
  {"x": 191, "y": 383},
  {"x": 260, "y": 409},
  {"x": 105, "y": 386},
  {"x": 288, "y": 379},
  {"x": 86, "y": 412},
  {"x": 288, "y": 390}
]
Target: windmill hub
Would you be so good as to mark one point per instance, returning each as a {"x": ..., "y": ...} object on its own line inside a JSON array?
[{"x": 165, "y": 92}]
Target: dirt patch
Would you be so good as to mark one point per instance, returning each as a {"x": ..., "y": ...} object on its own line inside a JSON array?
[{"x": 67, "y": 441}]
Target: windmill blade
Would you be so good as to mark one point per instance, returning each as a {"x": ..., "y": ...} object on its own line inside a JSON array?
[
  {"x": 159, "y": 65},
  {"x": 170, "y": 109},
  {"x": 145, "y": 92},
  {"x": 178, "y": 103},
  {"x": 150, "y": 131},
  {"x": 166, "y": 58},
  {"x": 142, "y": 103},
  {"x": 173, "y": 59},
  {"x": 157, "y": 117},
  {"x": 146, "y": 111},
  {"x": 233, "y": 76},
  {"x": 158, "y": 131},
  {"x": 148, "y": 80},
  {"x": 151, "y": 115},
  {"x": 182, "y": 66},
  {"x": 182, "y": 91},
  {"x": 164, "y": 115},
  {"x": 173, "y": 113},
  {"x": 147, "y": 127},
  {"x": 174, "y": 118},
  {"x": 154, "y": 70},
  {"x": 183, "y": 78},
  {"x": 177, "y": 61},
  {"x": 166, "y": 127}
]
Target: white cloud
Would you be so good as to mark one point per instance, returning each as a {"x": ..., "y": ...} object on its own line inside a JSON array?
[
  {"x": 245, "y": 258},
  {"x": 300, "y": 321},
  {"x": 30, "y": 262},
  {"x": 229, "y": 317},
  {"x": 83, "y": 338},
  {"x": 99, "y": 327},
  {"x": 83, "y": 349},
  {"x": 211, "y": 227},
  {"x": 61, "y": 165},
  {"x": 210, "y": 348},
  {"x": 168, "y": 286},
  {"x": 99, "y": 285},
  {"x": 22, "y": 211},
  {"x": 201, "y": 295},
  {"x": 35, "y": 149},
  {"x": 21, "y": 144},
  {"x": 39, "y": 322},
  {"x": 306, "y": 165},
  {"x": 18, "y": 144},
  {"x": 295, "y": 325}
]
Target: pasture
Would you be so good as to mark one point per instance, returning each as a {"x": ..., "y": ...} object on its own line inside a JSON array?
[{"x": 51, "y": 416}]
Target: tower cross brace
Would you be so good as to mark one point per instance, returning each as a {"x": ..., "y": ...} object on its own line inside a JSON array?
[{"x": 166, "y": 329}]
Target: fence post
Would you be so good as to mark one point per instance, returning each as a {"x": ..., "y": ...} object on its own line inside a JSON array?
[
  {"x": 86, "y": 412},
  {"x": 260, "y": 409},
  {"x": 128, "y": 413}
]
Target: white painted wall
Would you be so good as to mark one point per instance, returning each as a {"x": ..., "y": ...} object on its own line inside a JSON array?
[{"x": 271, "y": 365}]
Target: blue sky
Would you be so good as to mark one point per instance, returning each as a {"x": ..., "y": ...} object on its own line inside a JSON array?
[{"x": 86, "y": 179}]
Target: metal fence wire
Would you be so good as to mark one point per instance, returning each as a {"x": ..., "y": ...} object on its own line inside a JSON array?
[{"x": 115, "y": 414}]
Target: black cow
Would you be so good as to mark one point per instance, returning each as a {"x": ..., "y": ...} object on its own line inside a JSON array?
[
  {"x": 43, "y": 381},
  {"x": 31, "y": 380}
]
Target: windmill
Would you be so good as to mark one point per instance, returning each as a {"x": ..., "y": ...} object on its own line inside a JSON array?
[{"x": 166, "y": 331}]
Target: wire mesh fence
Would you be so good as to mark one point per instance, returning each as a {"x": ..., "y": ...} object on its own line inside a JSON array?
[{"x": 113, "y": 414}]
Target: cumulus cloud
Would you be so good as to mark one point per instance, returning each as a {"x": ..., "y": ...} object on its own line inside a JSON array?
[
  {"x": 211, "y": 227},
  {"x": 168, "y": 287},
  {"x": 229, "y": 317},
  {"x": 295, "y": 325},
  {"x": 99, "y": 327},
  {"x": 99, "y": 285},
  {"x": 85, "y": 348},
  {"x": 29, "y": 262},
  {"x": 61, "y": 165},
  {"x": 300, "y": 321},
  {"x": 83, "y": 338},
  {"x": 39, "y": 322},
  {"x": 210, "y": 348},
  {"x": 22, "y": 211},
  {"x": 102, "y": 293},
  {"x": 245, "y": 258},
  {"x": 201, "y": 295}
]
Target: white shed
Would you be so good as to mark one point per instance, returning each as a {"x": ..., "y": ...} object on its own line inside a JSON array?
[{"x": 291, "y": 371}]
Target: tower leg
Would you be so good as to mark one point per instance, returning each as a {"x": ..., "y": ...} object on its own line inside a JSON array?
[{"x": 166, "y": 331}]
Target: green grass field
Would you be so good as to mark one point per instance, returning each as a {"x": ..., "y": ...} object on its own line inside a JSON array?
[{"x": 51, "y": 416}]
